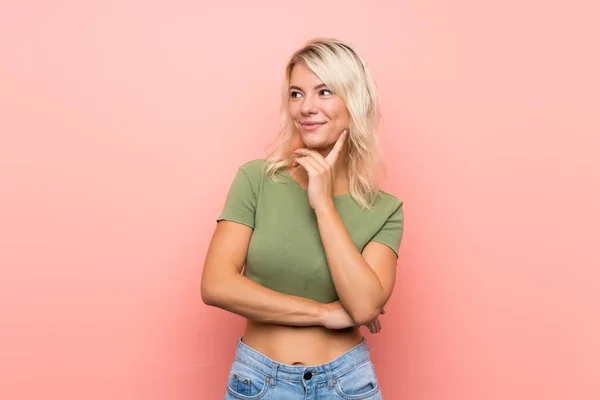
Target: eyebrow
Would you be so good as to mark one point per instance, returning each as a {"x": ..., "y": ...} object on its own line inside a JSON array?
[{"x": 322, "y": 85}]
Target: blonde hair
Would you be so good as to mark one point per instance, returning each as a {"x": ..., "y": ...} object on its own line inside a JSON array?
[{"x": 343, "y": 70}]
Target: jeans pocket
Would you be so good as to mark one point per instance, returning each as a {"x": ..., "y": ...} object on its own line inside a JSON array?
[
  {"x": 358, "y": 383},
  {"x": 246, "y": 383}
]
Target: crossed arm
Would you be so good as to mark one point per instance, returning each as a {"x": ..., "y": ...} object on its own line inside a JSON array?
[
  {"x": 224, "y": 286},
  {"x": 363, "y": 282}
]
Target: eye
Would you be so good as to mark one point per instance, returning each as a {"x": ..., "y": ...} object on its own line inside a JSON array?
[
  {"x": 325, "y": 92},
  {"x": 294, "y": 94}
]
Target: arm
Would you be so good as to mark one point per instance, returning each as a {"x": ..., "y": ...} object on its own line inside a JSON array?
[
  {"x": 224, "y": 286},
  {"x": 364, "y": 282}
]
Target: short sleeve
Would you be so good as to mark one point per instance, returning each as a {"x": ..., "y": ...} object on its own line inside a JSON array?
[
  {"x": 392, "y": 230},
  {"x": 240, "y": 205}
]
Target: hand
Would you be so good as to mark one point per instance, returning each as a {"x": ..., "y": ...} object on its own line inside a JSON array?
[
  {"x": 321, "y": 172},
  {"x": 336, "y": 316},
  {"x": 375, "y": 326}
]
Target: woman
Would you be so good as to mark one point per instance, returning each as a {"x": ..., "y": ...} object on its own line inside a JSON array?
[{"x": 318, "y": 239}]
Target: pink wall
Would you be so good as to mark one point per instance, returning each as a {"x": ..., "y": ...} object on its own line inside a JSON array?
[{"x": 123, "y": 122}]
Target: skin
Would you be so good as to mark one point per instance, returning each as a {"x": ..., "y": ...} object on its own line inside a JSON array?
[{"x": 294, "y": 330}]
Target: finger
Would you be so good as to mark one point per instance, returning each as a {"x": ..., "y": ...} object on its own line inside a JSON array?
[
  {"x": 314, "y": 155},
  {"x": 372, "y": 328},
  {"x": 337, "y": 148},
  {"x": 308, "y": 164},
  {"x": 318, "y": 169}
]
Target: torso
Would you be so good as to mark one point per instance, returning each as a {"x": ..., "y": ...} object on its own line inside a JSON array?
[{"x": 285, "y": 254}]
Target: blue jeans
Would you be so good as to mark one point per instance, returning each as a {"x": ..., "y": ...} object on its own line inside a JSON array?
[{"x": 254, "y": 376}]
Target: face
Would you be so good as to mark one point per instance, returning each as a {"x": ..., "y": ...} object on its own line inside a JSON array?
[{"x": 318, "y": 114}]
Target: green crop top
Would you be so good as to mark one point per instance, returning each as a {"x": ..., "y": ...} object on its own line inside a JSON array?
[{"x": 285, "y": 253}]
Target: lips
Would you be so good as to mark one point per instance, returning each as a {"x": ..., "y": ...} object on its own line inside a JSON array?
[{"x": 311, "y": 125}]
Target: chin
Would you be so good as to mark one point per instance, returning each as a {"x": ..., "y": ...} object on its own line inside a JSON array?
[
  {"x": 315, "y": 141},
  {"x": 311, "y": 143}
]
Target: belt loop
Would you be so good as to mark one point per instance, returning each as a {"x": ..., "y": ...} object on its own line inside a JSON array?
[
  {"x": 330, "y": 378},
  {"x": 273, "y": 375}
]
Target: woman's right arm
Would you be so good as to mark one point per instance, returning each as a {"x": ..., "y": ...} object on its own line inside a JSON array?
[{"x": 224, "y": 286}]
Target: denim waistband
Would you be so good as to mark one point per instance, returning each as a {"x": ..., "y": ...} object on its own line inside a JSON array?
[{"x": 345, "y": 362}]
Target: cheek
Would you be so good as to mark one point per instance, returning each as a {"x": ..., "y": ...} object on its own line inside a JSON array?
[
  {"x": 291, "y": 109},
  {"x": 337, "y": 111},
  {"x": 293, "y": 113}
]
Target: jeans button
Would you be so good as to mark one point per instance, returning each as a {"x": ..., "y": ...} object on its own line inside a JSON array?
[{"x": 307, "y": 375}]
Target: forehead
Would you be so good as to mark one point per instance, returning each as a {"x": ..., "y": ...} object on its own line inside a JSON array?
[{"x": 302, "y": 76}]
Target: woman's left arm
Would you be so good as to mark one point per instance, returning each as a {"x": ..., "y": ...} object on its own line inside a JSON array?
[{"x": 364, "y": 282}]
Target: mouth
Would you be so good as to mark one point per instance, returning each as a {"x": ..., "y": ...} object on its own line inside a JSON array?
[{"x": 311, "y": 125}]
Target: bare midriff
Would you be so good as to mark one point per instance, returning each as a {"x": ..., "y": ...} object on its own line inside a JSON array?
[{"x": 294, "y": 345}]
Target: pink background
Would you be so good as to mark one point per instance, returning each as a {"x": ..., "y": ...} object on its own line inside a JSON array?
[{"x": 123, "y": 122}]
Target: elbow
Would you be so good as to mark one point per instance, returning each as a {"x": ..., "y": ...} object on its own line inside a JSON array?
[
  {"x": 209, "y": 295},
  {"x": 216, "y": 290},
  {"x": 365, "y": 315}
]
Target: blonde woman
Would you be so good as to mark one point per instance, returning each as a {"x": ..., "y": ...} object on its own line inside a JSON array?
[{"x": 306, "y": 245}]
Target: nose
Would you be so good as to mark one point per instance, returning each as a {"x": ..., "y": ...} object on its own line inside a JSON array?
[{"x": 309, "y": 106}]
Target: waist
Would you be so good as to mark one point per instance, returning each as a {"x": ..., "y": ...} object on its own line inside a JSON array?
[
  {"x": 356, "y": 355},
  {"x": 299, "y": 345}
]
